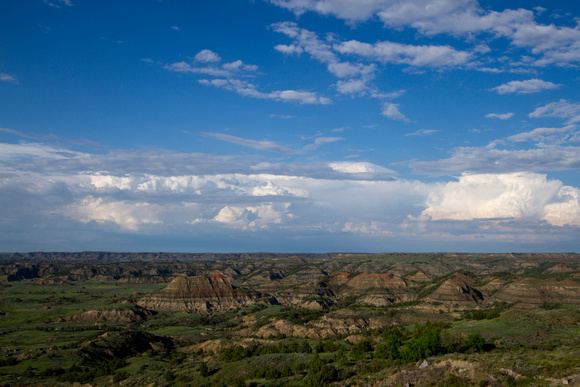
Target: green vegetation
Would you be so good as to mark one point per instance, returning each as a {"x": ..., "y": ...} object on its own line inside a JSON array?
[{"x": 422, "y": 341}]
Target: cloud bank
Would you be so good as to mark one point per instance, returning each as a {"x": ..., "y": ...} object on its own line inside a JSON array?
[{"x": 55, "y": 189}]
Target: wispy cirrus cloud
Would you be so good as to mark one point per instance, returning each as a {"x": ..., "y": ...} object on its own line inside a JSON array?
[
  {"x": 268, "y": 146},
  {"x": 271, "y": 146},
  {"x": 4, "y": 77},
  {"x": 422, "y": 132},
  {"x": 552, "y": 149},
  {"x": 58, "y": 3},
  {"x": 318, "y": 141}
]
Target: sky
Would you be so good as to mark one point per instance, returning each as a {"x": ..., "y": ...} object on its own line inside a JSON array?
[{"x": 290, "y": 125}]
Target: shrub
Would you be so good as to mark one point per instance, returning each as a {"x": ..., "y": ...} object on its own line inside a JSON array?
[
  {"x": 203, "y": 370},
  {"x": 361, "y": 348}
]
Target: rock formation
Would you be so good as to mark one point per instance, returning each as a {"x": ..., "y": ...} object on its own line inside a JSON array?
[
  {"x": 457, "y": 289},
  {"x": 531, "y": 292},
  {"x": 125, "y": 316},
  {"x": 200, "y": 294}
]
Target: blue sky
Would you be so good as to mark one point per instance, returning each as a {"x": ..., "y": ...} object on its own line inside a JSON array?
[{"x": 289, "y": 125}]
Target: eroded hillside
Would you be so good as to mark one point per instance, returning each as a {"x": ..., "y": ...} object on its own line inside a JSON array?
[{"x": 257, "y": 319}]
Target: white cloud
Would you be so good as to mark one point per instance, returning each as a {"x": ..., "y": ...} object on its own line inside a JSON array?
[
  {"x": 289, "y": 49},
  {"x": 36, "y": 150},
  {"x": 420, "y": 56},
  {"x": 502, "y": 116},
  {"x": 391, "y": 110},
  {"x": 321, "y": 141},
  {"x": 260, "y": 145},
  {"x": 58, "y": 3},
  {"x": 516, "y": 195},
  {"x": 363, "y": 168},
  {"x": 282, "y": 116},
  {"x": 306, "y": 41},
  {"x": 526, "y": 87},
  {"x": 566, "y": 209},
  {"x": 8, "y": 78},
  {"x": 545, "y": 136},
  {"x": 422, "y": 132},
  {"x": 253, "y": 217},
  {"x": 353, "y": 86},
  {"x": 493, "y": 160},
  {"x": 247, "y": 89},
  {"x": 145, "y": 193},
  {"x": 303, "y": 97},
  {"x": 466, "y": 18},
  {"x": 128, "y": 215},
  {"x": 560, "y": 109},
  {"x": 207, "y": 56}
]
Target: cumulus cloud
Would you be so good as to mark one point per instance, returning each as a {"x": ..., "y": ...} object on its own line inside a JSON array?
[
  {"x": 353, "y": 87},
  {"x": 206, "y": 62},
  {"x": 128, "y": 215},
  {"x": 207, "y": 56},
  {"x": 525, "y": 87},
  {"x": 502, "y": 116},
  {"x": 289, "y": 49},
  {"x": 391, "y": 110},
  {"x": 251, "y": 217},
  {"x": 397, "y": 53},
  {"x": 141, "y": 193},
  {"x": 551, "y": 44},
  {"x": 303, "y": 97},
  {"x": 565, "y": 210},
  {"x": 486, "y": 196},
  {"x": 501, "y": 196},
  {"x": 230, "y": 76}
]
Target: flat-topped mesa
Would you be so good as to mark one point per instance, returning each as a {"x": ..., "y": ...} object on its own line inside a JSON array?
[{"x": 200, "y": 294}]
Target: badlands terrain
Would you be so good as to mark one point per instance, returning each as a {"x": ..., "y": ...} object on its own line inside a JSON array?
[{"x": 136, "y": 319}]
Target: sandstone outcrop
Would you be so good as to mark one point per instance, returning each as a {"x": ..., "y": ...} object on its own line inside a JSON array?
[
  {"x": 420, "y": 276},
  {"x": 200, "y": 294},
  {"x": 531, "y": 292},
  {"x": 377, "y": 289},
  {"x": 457, "y": 289}
]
